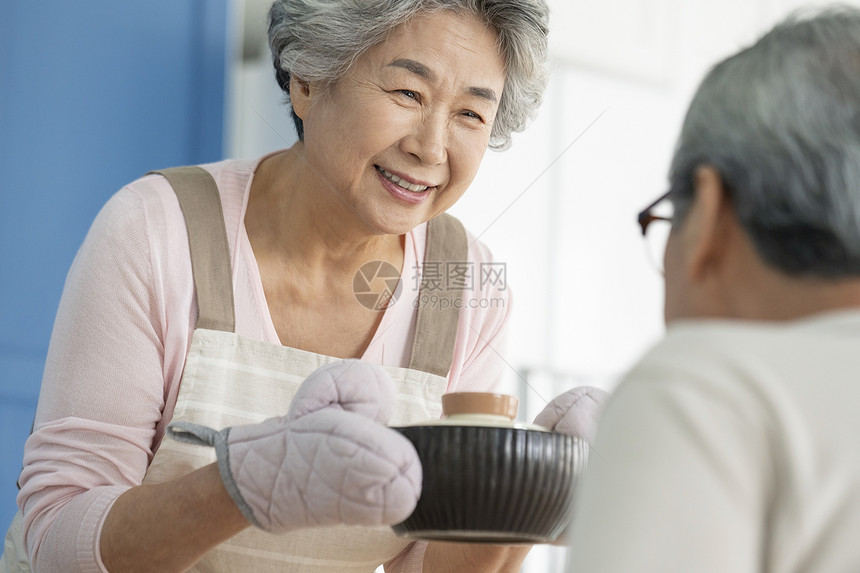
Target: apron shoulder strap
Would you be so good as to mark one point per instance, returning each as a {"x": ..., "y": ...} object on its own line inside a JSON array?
[
  {"x": 436, "y": 326},
  {"x": 207, "y": 239}
]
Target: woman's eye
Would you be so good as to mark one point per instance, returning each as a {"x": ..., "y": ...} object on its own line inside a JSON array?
[
  {"x": 473, "y": 115},
  {"x": 409, "y": 93}
]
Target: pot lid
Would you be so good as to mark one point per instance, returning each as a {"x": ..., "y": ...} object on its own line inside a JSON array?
[{"x": 480, "y": 409}]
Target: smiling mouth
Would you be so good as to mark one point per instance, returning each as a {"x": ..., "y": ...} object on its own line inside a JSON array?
[{"x": 402, "y": 183}]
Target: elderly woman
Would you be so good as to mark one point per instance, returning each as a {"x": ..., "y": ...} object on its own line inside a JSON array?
[{"x": 168, "y": 320}]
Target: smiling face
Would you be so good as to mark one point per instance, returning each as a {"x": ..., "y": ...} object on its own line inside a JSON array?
[{"x": 400, "y": 138}]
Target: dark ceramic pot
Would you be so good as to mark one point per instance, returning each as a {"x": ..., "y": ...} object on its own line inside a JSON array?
[{"x": 489, "y": 480}]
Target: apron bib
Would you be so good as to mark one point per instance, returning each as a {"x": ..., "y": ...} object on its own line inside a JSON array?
[{"x": 230, "y": 380}]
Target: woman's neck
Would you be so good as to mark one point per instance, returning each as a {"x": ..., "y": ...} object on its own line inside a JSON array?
[{"x": 292, "y": 217}]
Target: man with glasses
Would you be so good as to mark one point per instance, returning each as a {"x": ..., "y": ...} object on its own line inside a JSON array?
[{"x": 733, "y": 445}]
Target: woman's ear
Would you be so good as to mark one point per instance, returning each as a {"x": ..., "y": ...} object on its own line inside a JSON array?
[
  {"x": 705, "y": 227},
  {"x": 300, "y": 96}
]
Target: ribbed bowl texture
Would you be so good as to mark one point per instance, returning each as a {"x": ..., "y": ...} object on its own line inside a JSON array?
[{"x": 493, "y": 484}]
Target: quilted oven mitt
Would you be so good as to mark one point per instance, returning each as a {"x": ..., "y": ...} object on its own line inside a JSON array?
[
  {"x": 574, "y": 413},
  {"x": 330, "y": 460}
]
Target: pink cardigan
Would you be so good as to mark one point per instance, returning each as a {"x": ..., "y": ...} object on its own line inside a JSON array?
[{"x": 119, "y": 342}]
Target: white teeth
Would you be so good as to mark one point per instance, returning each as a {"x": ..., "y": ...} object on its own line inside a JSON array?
[{"x": 415, "y": 188}]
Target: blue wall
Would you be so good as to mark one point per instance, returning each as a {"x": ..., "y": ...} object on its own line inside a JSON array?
[{"x": 92, "y": 95}]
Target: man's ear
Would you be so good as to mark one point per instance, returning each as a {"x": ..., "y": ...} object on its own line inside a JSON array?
[
  {"x": 705, "y": 227},
  {"x": 300, "y": 96}
]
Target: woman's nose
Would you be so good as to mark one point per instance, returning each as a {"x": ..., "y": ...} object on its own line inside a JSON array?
[{"x": 429, "y": 140}]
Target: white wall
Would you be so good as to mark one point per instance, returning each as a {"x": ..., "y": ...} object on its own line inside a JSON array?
[{"x": 559, "y": 207}]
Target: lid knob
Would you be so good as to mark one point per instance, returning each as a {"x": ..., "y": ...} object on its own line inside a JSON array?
[{"x": 487, "y": 403}]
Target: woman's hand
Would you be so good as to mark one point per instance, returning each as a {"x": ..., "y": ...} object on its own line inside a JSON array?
[{"x": 330, "y": 460}]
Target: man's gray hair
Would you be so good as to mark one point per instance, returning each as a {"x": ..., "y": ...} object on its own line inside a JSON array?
[
  {"x": 318, "y": 40},
  {"x": 780, "y": 122}
]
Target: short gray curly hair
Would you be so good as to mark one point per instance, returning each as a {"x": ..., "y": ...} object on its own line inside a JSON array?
[{"x": 318, "y": 40}]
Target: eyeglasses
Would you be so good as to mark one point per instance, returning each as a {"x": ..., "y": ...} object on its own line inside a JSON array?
[{"x": 656, "y": 236}]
